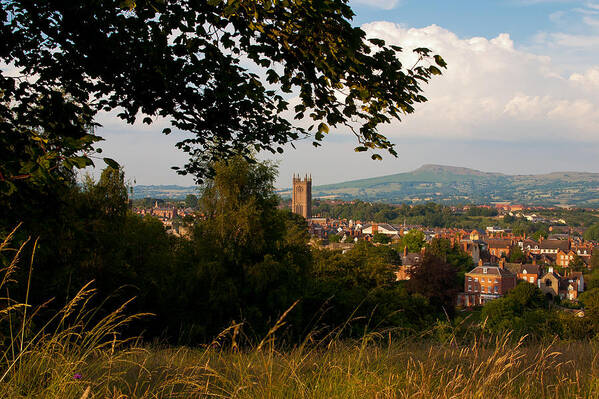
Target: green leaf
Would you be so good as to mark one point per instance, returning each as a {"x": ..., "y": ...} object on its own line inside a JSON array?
[
  {"x": 434, "y": 70},
  {"x": 323, "y": 128},
  {"x": 440, "y": 61},
  {"x": 422, "y": 51},
  {"x": 81, "y": 162},
  {"x": 111, "y": 162},
  {"x": 377, "y": 42}
]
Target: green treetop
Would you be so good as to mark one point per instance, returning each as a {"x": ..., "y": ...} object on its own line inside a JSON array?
[{"x": 181, "y": 61}]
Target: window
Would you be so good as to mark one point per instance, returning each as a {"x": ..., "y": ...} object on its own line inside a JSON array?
[
  {"x": 548, "y": 283},
  {"x": 469, "y": 288},
  {"x": 531, "y": 279},
  {"x": 485, "y": 270},
  {"x": 476, "y": 279},
  {"x": 469, "y": 278},
  {"x": 496, "y": 289}
]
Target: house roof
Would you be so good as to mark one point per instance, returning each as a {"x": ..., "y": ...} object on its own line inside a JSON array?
[
  {"x": 529, "y": 242},
  {"x": 555, "y": 244},
  {"x": 551, "y": 274},
  {"x": 411, "y": 259},
  {"x": 499, "y": 243},
  {"x": 558, "y": 236},
  {"x": 492, "y": 270},
  {"x": 385, "y": 226},
  {"x": 517, "y": 268}
]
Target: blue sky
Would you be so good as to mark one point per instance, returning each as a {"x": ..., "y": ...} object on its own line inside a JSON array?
[
  {"x": 521, "y": 19},
  {"x": 521, "y": 95}
]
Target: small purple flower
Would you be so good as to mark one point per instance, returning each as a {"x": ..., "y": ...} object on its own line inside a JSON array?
[{"x": 77, "y": 376}]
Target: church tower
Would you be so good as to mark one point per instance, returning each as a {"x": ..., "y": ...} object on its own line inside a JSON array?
[{"x": 301, "y": 201}]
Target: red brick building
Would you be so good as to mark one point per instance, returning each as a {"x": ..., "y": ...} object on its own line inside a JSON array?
[
  {"x": 499, "y": 247},
  {"x": 485, "y": 283}
]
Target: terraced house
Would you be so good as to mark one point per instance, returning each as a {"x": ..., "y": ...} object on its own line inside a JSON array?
[{"x": 499, "y": 247}]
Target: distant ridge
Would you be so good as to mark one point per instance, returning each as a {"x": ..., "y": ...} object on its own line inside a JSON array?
[
  {"x": 443, "y": 184},
  {"x": 453, "y": 184},
  {"x": 458, "y": 170},
  {"x": 163, "y": 191}
]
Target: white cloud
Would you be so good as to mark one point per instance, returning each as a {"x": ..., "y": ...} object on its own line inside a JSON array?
[
  {"x": 594, "y": 6},
  {"x": 588, "y": 79},
  {"x": 494, "y": 91},
  {"x": 591, "y": 21},
  {"x": 556, "y": 16},
  {"x": 578, "y": 41}
]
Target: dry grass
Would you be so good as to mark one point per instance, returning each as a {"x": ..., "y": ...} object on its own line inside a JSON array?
[
  {"x": 343, "y": 370},
  {"x": 47, "y": 362}
]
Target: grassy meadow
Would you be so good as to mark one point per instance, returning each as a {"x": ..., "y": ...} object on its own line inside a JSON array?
[{"x": 341, "y": 369}]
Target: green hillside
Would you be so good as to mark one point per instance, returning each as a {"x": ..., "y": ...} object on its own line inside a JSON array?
[{"x": 449, "y": 184}]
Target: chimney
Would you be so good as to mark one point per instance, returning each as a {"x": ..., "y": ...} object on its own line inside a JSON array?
[
  {"x": 480, "y": 262},
  {"x": 534, "y": 261},
  {"x": 422, "y": 250},
  {"x": 375, "y": 228},
  {"x": 502, "y": 263},
  {"x": 405, "y": 250},
  {"x": 550, "y": 270}
]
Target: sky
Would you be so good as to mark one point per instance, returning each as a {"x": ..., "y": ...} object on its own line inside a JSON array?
[{"x": 520, "y": 95}]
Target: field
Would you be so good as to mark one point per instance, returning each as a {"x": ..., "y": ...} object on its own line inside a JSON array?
[{"x": 374, "y": 367}]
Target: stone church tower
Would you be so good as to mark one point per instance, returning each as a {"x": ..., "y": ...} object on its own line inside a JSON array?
[{"x": 301, "y": 202}]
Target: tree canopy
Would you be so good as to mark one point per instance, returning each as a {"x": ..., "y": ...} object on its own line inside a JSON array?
[{"x": 223, "y": 71}]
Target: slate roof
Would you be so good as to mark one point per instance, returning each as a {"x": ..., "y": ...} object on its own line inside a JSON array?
[
  {"x": 492, "y": 270},
  {"x": 564, "y": 245},
  {"x": 517, "y": 268},
  {"x": 385, "y": 226},
  {"x": 411, "y": 259},
  {"x": 499, "y": 243},
  {"x": 529, "y": 242}
]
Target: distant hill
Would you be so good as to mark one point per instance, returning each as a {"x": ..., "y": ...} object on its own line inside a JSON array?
[
  {"x": 163, "y": 192},
  {"x": 450, "y": 184},
  {"x": 443, "y": 184}
]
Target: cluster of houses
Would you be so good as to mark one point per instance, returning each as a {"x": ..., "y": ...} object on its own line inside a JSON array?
[
  {"x": 168, "y": 215},
  {"x": 490, "y": 281},
  {"x": 490, "y": 250}
]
